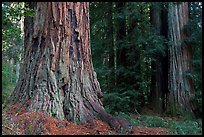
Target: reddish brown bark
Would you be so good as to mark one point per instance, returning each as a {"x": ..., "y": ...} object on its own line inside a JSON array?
[
  {"x": 180, "y": 86},
  {"x": 58, "y": 78}
]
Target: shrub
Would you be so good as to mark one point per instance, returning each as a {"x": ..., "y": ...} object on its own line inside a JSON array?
[
  {"x": 186, "y": 127},
  {"x": 152, "y": 121}
]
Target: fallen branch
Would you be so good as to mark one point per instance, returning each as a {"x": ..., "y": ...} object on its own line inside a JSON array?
[{"x": 137, "y": 112}]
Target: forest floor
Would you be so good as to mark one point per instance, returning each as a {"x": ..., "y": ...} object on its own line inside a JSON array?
[{"x": 31, "y": 123}]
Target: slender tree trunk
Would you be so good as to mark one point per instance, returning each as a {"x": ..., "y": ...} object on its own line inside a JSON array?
[
  {"x": 180, "y": 86},
  {"x": 111, "y": 46},
  {"x": 58, "y": 76},
  {"x": 114, "y": 42},
  {"x": 159, "y": 78},
  {"x": 155, "y": 93},
  {"x": 165, "y": 59},
  {"x": 120, "y": 35},
  {"x": 12, "y": 69},
  {"x": 17, "y": 70}
]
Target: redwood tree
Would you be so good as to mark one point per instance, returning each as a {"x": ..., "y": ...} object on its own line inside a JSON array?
[
  {"x": 159, "y": 78},
  {"x": 180, "y": 54},
  {"x": 57, "y": 77}
]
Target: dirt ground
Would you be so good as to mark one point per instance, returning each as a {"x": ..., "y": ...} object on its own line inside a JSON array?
[{"x": 32, "y": 123}]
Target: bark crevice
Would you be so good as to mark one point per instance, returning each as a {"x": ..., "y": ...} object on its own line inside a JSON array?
[{"x": 58, "y": 74}]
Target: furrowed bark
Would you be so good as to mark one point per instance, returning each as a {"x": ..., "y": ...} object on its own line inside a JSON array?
[
  {"x": 180, "y": 86},
  {"x": 58, "y": 76}
]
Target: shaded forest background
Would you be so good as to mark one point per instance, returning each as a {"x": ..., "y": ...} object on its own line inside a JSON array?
[
  {"x": 125, "y": 45},
  {"x": 128, "y": 51}
]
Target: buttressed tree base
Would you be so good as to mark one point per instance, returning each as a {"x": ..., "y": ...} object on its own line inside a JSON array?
[{"x": 57, "y": 76}]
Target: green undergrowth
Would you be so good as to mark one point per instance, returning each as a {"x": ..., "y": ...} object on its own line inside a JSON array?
[
  {"x": 8, "y": 81},
  {"x": 6, "y": 92},
  {"x": 186, "y": 127},
  {"x": 177, "y": 127}
]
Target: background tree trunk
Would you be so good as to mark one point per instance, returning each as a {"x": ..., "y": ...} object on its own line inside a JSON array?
[
  {"x": 12, "y": 69},
  {"x": 17, "y": 70},
  {"x": 180, "y": 86},
  {"x": 120, "y": 35},
  {"x": 110, "y": 36},
  {"x": 159, "y": 78},
  {"x": 155, "y": 92},
  {"x": 58, "y": 76}
]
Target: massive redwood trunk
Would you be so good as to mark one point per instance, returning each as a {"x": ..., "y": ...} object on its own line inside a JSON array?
[
  {"x": 180, "y": 85},
  {"x": 58, "y": 76}
]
